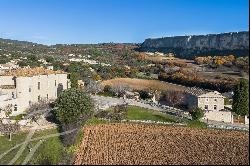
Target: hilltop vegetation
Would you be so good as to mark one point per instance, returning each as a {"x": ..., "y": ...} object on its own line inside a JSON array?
[{"x": 112, "y": 60}]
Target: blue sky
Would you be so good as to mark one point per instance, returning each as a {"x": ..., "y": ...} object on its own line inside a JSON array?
[{"x": 96, "y": 21}]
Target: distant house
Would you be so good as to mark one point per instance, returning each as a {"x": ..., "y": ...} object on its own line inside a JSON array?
[
  {"x": 75, "y": 60},
  {"x": 159, "y": 53},
  {"x": 150, "y": 53},
  {"x": 9, "y": 66},
  {"x": 50, "y": 67},
  {"x": 228, "y": 94},
  {"x": 42, "y": 61},
  {"x": 247, "y": 119},
  {"x": 213, "y": 105}
]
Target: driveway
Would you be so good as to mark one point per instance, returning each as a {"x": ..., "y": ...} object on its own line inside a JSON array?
[{"x": 103, "y": 102}]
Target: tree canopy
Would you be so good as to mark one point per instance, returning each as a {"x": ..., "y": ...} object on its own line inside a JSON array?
[
  {"x": 73, "y": 105},
  {"x": 241, "y": 98},
  {"x": 196, "y": 113}
]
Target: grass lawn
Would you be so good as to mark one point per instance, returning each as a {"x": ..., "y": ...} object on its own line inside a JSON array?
[
  {"x": 138, "y": 113},
  {"x": 49, "y": 146},
  {"x": 50, "y": 151},
  {"x": 94, "y": 121},
  {"x": 196, "y": 124},
  {"x": 5, "y": 145}
]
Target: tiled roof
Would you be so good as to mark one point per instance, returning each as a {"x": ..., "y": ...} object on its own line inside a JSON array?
[
  {"x": 195, "y": 91},
  {"x": 211, "y": 94},
  {"x": 28, "y": 72}
]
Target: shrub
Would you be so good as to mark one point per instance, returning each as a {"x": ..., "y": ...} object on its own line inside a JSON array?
[
  {"x": 73, "y": 105},
  {"x": 107, "y": 88},
  {"x": 73, "y": 108},
  {"x": 196, "y": 113},
  {"x": 144, "y": 94}
]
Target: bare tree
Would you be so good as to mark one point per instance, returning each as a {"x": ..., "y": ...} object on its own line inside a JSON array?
[
  {"x": 120, "y": 90},
  {"x": 41, "y": 105},
  {"x": 174, "y": 97},
  {"x": 93, "y": 87},
  {"x": 7, "y": 110},
  {"x": 9, "y": 129},
  {"x": 37, "y": 109}
]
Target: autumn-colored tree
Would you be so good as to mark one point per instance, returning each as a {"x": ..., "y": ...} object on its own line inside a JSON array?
[
  {"x": 231, "y": 58},
  {"x": 96, "y": 77},
  {"x": 219, "y": 61}
]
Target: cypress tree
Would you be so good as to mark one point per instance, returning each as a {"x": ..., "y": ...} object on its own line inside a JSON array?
[{"x": 241, "y": 98}]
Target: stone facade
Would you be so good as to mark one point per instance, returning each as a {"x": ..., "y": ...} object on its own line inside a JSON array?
[
  {"x": 222, "y": 116},
  {"x": 213, "y": 105},
  {"x": 246, "y": 120},
  {"x": 211, "y": 101},
  {"x": 21, "y": 90}
]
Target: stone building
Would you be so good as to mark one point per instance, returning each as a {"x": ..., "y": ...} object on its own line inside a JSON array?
[
  {"x": 20, "y": 88},
  {"x": 212, "y": 103}
]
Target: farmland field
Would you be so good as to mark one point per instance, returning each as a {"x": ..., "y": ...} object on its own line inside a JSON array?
[
  {"x": 158, "y": 144},
  {"x": 139, "y": 84}
]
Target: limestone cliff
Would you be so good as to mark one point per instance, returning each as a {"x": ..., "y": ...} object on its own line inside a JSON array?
[{"x": 235, "y": 43}]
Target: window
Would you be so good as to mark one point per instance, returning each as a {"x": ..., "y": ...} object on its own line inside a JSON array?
[
  {"x": 215, "y": 100},
  {"x": 215, "y": 107},
  {"x": 13, "y": 95},
  {"x": 15, "y": 107},
  {"x": 29, "y": 89},
  {"x": 55, "y": 82},
  {"x": 206, "y": 99},
  {"x": 38, "y": 85},
  {"x": 206, "y": 107},
  {"x": 29, "y": 102},
  {"x": 39, "y": 98},
  {"x": 47, "y": 96}
]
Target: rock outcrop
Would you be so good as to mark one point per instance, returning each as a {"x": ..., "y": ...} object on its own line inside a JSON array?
[{"x": 235, "y": 42}]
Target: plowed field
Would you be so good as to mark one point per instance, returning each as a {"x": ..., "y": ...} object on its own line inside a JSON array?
[{"x": 155, "y": 144}]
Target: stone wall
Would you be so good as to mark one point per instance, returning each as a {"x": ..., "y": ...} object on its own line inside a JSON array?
[{"x": 221, "y": 116}]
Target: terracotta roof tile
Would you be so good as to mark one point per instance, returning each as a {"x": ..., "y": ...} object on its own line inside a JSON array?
[{"x": 28, "y": 72}]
